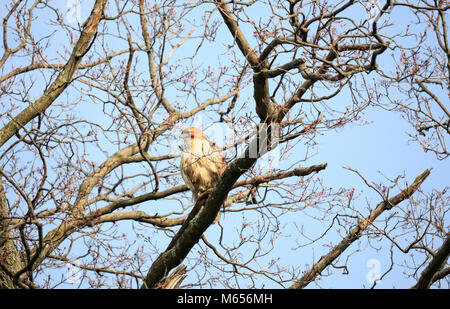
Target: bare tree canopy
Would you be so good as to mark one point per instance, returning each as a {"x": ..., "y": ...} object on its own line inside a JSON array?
[{"x": 333, "y": 117}]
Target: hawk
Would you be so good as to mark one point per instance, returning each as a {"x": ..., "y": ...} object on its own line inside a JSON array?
[{"x": 202, "y": 163}]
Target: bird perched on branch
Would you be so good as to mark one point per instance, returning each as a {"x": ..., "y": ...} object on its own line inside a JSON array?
[{"x": 202, "y": 163}]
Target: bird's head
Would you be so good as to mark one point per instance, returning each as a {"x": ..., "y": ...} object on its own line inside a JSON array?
[{"x": 192, "y": 133}]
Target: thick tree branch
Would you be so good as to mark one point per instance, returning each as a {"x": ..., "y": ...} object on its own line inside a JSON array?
[
  {"x": 440, "y": 274},
  {"x": 265, "y": 109},
  {"x": 10, "y": 259}
]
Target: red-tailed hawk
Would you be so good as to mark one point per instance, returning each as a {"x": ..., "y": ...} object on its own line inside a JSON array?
[{"x": 202, "y": 163}]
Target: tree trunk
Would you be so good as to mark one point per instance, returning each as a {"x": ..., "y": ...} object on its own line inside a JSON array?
[{"x": 10, "y": 260}]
